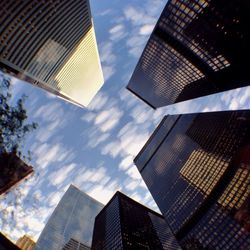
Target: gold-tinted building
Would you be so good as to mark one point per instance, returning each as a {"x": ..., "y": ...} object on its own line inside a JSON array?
[
  {"x": 26, "y": 243},
  {"x": 52, "y": 45}
]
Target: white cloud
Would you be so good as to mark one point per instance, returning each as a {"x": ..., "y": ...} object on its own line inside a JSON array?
[
  {"x": 108, "y": 59},
  {"x": 108, "y": 119},
  {"x": 126, "y": 163},
  {"x": 112, "y": 148},
  {"x": 54, "y": 198},
  {"x": 103, "y": 193},
  {"x": 88, "y": 117},
  {"x": 138, "y": 16},
  {"x": 108, "y": 71},
  {"x": 117, "y": 32},
  {"x": 98, "y": 102},
  {"x": 106, "y": 53},
  {"x": 142, "y": 114},
  {"x": 146, "y": 29},
  {"x": 134, "y": 173},
  {"x": 96, "y": 140},
  {"x": 47, "y": 154},
  {"x": 60, "y": 175},
  {"x": 105, "y": 12}
]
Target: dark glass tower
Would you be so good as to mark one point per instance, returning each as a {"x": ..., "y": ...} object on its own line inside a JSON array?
[
  {"x": 126, "y": 224},
  {"x": 197, "y": 48},
  {"x": 197, "y": 168}
]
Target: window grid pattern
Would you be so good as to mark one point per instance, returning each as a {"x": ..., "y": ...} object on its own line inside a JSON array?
[
  {"x": 203, "y": 170},
  {"x": 42, "y": 42},
  {"x": 131, "y": 226},
  {"x": 218, "y": 230},
  {"x": 185, "y": 172},
  {"x": 212, "y": 36},
  {"x": 164, "y": 64},
  {"x": 75, "y": 245},
  {"x": 238, "y": 190},
  {"x": 107, "y": 230},
  {"x": 178, "y": 17}
]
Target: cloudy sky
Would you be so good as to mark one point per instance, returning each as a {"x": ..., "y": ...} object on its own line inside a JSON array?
[{"x": 93, "y": 148}]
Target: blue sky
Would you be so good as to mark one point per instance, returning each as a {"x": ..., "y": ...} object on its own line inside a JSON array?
[{"x": 93, "y": 148}]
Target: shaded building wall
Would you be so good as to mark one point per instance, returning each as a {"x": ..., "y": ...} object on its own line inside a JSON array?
[
  {"x": 126, "y": 224},
  {"x": 197, "y": 48},
  {"x": 199, "y": 176}
]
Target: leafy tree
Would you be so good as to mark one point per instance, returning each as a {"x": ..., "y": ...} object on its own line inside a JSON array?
[{"x": 13, "y": 126}]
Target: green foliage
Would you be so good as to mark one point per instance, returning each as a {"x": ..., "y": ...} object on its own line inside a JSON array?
[{"x": 13, "y": 126}]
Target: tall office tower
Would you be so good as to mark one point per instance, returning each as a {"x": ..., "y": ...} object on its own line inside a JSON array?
[
  {"x": 13, "y": 171},
  {"x": 197, "y": 168},
  {"x": 126, "y": 224},
  {"x": 52, "y": 45},
  {"x": 197, "y": 48},
  {"x": 26, "y": 243},
  {"x": 73, "y": 217},
  {"x": 75, "y": 245}
]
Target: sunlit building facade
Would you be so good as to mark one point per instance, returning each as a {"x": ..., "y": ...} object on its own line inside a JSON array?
[
  {"x": 73, "y": 218},
  {"x": 197, "y": 48},
  {"x": 52, "y": 45},
  {"x": 126, "y": 224},
  {"x": 197, "y": 168},
  {"x": 26, "y": 243}
]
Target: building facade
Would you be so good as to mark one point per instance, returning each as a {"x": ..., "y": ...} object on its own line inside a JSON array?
[
  {"x": 197, "y": 48},
  {"x": 26, "y": 243},
  {"x": 197, "y": 168},
  {"x": 52, "y": 45},
  {"x": 126, "y": 224},
  {"x": 75, "y": 245},
  {"x": 73, "y": 218},
  {"x": 13, "y": 171}
]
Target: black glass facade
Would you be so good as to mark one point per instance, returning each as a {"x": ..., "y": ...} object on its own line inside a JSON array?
[
  {"x": 126, "y": 224},
  {"x": 197, "y": 167},
  {"x": 197, "y": 48}
]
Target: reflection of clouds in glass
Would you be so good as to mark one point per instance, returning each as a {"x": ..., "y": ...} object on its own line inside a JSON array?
[{"x": 73, "y": 218}]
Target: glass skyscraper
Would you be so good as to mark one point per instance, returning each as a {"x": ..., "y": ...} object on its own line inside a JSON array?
[
  {"x": 52, "y": 45},
  {"x": 126, "y": 224},
  {"x": 197, "y": 48},
  {"x": 197, "y": 168},
  {"x": 73, "y": 218}
]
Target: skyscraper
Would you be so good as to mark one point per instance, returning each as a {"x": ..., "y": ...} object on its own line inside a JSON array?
[
  {"x": 126, "y": 224},
  {"x": 197, "y": 48},
  {"x": 197, "y": 168},
  {"x": 72, "y": 218},
  {"x": 13, "y": 171},
  {"x": 75, "y": 245},
  {"x": 52, "y": 45}
]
